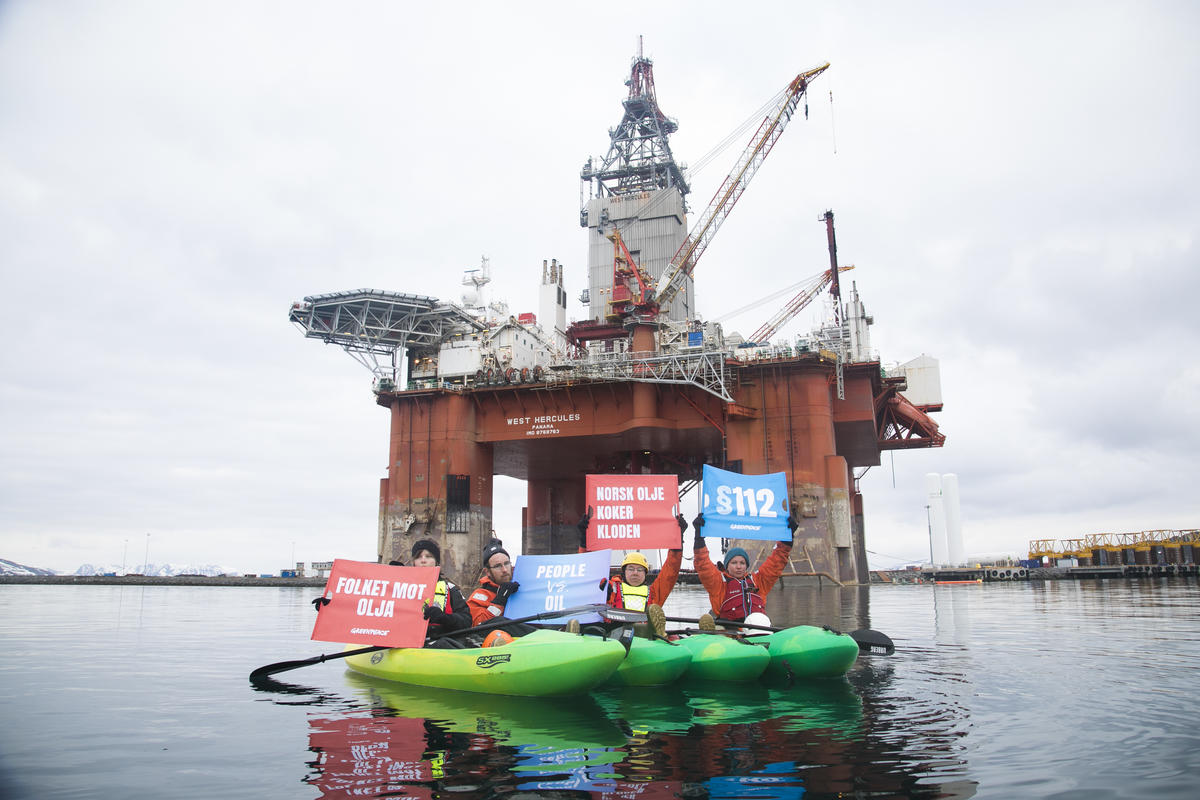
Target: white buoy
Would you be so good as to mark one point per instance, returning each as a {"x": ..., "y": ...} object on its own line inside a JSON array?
[
  {"x": 936, "y": 519},
  {"x": 954, "y": 535}
]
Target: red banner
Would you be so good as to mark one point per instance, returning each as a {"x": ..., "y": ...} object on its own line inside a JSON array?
[
  {"x": 372, "y": 756},
  {"x": 375, "y": 604},
  {"x": 633, "y": 512}
]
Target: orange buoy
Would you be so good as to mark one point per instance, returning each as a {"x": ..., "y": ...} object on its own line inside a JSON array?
[{"x": 497, "y": 638}]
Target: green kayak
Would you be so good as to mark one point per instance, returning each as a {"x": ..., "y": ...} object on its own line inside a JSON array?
[
  {"x": 544, "y": 663},
  {"x": 805, "y": 651},
  {"x": 723, "y": 658},
  {"x": 831, "y": 706},
  {"x": 651, "y": 663}
]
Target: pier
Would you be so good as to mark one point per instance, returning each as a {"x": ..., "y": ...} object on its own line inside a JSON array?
[{"x": 1001, "y": 574}]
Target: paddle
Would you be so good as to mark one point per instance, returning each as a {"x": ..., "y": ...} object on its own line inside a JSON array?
[
  {"x": 284, "y": 666},
  {"x": 623, "y": 615},
  {"x": 868, "y": 641}
]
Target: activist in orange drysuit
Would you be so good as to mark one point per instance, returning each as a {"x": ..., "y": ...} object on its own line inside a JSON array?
[
  {"x": 734, "y": 591},
  {"x": 629, "y": 589},
  {"x": 488, "y": 599}
]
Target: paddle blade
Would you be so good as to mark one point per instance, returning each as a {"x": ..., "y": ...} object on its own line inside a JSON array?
[
  {"x": 874, "y": 642},
  {"x": 262, "y": 673},
  {"x": 622, "y": 615},
  {"x": 283, "y": 666}
]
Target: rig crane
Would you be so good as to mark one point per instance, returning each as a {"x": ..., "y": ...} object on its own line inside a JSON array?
[
  {"x": 810, "y": 291},
  {"x": 684, "y": 261},
  {"x": 794, "y": 306},
  {"x": 642, "y": 300},
  {"x": 626, "y": 275}
]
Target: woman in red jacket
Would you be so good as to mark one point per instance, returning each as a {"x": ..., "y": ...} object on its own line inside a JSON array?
[{"x": 735, "y": 592}]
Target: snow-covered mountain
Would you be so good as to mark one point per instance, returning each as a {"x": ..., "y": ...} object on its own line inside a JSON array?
[
  {"x": 13, "y": 568},
  {"x": 159, "y": 570}
]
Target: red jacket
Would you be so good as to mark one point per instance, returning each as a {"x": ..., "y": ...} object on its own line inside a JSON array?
[{"x": 725, "y": 593}]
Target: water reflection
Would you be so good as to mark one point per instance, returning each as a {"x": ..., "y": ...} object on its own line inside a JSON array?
[
  {"x": 867, "y": 734},
  {"x": 687, "y": 740}
]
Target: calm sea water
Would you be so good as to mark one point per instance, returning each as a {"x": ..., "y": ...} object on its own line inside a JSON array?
[{"x": 1059, "y": 689}]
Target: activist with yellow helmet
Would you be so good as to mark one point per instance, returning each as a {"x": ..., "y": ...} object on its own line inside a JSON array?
[{"x": 630, "y": 589}]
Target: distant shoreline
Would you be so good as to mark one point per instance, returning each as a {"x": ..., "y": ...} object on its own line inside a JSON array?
[{"x": 157, "y": 580}]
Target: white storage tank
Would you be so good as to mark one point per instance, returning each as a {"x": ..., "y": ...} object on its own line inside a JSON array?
[
  {"x": 954, "y": 535},
  {"x": 936, "y": 517},
  {"x": 924, "y": 377}
]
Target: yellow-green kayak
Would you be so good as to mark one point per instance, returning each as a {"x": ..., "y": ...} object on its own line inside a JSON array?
[{"x": 544, "y": 663}]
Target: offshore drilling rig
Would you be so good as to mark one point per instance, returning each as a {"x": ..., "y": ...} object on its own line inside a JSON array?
[{"x": 642, "y": 386}]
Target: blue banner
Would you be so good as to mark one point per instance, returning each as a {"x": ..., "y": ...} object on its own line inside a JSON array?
[
  {"x": 553, "y": 583},
  {"x": 739, "y": 506}
]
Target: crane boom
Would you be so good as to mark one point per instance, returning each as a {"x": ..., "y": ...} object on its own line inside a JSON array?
[
  {"x": 795, "y": 305},
  {"x": 772, "y": 127}
]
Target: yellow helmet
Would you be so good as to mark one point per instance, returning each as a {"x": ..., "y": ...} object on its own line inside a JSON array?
[{"x": 635, "y": 558}]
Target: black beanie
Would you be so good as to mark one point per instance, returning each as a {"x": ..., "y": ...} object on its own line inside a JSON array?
[
  {"x": 431, "y": 546},
  {"x": 493, "y": 547}
]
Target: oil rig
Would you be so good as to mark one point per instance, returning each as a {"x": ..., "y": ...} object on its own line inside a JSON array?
[{"x": 641, "y": 386}]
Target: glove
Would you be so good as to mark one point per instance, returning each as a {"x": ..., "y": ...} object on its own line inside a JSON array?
[
  {"x": 682, "y": 528},
  {"x": 603, "y": 584},
  {"x": 435, "y": 615},
  {"x": 318, "y": 602},
  {"x": 583, "y": 526},
  {"x": 698, "y": 527},
  {"x": 793, "y": 525},
  {"x": 506, "y": 590}
]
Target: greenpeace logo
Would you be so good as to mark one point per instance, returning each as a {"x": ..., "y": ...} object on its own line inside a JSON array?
[
  {"x": 738, "y": 527},
  {"x": 487, "y": 662}
]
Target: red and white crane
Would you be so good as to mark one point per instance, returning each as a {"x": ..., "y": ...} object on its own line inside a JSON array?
[{"x": 683, "y": 263}]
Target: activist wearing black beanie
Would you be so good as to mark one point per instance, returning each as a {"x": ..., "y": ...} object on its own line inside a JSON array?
[
  {"x": 431, "y": 546},
  {"x": 493, "y": 547}
]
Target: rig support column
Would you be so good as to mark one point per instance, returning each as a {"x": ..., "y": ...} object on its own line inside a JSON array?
[{"x": 439, "y": 484}]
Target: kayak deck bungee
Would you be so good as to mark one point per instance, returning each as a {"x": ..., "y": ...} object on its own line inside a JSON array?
[
  {"x": 651, "y": 663},
  {"x": 806, "y": 651},
  {"x": 544, "y": 663},
  {"x": 723, "y": 658}
]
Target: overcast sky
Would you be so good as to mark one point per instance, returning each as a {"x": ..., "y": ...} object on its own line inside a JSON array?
[{"x": 1016, "y": 184}]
